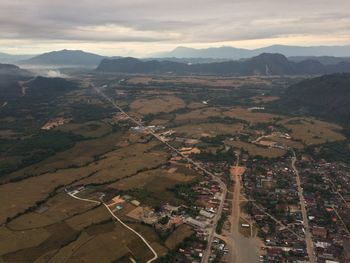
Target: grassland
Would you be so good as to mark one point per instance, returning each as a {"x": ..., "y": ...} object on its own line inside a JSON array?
[
  {"x": 81, "y": 154},
  {"x": 202, "y": 81},
  {"x": 212, "y": 129},
  {"x": 178, "y": 236},
  {"x": 312, "y": 131},
  {"x": 255, "y": 150},
  {"x": 154, "y": 185},
  {"x": 162, "y": 104},
  {"x": 124, "y": 162},
  {"x": 58, "y": 208},
  {"x": 91, "y": 129},
  {"x": 18, "y": 196},
  {"x": 11, "y": 241},
  {"x": 250, "y": 116},
  {"x": 200, "y": 115}
]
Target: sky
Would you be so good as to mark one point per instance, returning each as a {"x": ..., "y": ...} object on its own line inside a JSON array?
[{"x": 143, "y": 27}]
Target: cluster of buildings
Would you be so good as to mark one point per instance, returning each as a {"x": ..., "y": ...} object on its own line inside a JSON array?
[
  {"x": 54, "y": 123},
  {"x": 327, "y": 196},
  {"x": 275, "y": 208}
]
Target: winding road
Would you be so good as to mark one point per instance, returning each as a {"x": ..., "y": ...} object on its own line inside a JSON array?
[{"x": 155, "y": 255}]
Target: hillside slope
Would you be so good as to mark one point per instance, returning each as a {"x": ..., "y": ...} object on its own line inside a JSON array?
[
  {"x": 327, "y": 96},
  {"x": 10, "y": 76}
]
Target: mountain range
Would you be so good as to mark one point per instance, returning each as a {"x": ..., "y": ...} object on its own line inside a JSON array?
[
  {"x": 263, "y": 64},
  {"x": 241, "y": 53},
  {"x": 9, "y": 58},
  {"x": 324, "y": 54}
]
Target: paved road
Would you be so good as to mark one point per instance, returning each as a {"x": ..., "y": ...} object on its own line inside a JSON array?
[
  {"x": 207, "y": 252},
  {"x": 155, "y": 255},
  {"x": 308, "y": 236}
]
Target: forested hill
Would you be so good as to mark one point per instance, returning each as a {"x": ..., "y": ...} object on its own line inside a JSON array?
[
  {"x": 327, "y": 96},
  {"x": 264, "y": 64}
]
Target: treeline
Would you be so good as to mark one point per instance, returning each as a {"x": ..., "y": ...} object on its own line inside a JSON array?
[
  {"x": 338, "y": 151},
  {"x": 173, "y": 256},
  {"x": 35, "y": 149}
]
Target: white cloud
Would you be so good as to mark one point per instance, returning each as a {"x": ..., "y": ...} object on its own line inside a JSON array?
[{"x": 134, "y": 27}]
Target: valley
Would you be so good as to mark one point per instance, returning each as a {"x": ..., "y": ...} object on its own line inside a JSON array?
[{"x": 168, "y": 168}]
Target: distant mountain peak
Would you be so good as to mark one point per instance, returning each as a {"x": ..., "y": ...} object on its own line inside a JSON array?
[{"x": 65, "y": 57}]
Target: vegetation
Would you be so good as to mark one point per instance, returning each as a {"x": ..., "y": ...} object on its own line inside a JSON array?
[
  {"x": 338, "y": 151},
  {"x": 221, "y": 223},
  {"x": 172, "y": 255},
  {"x": 35, "y": 148},
  {"x": 327, "y": 96}
]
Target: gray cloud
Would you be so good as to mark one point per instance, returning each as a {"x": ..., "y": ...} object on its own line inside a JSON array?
[{"x": 176, "y": 22}]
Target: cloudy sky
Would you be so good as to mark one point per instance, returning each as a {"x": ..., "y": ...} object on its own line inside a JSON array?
[{"x": 141, "y": 27}]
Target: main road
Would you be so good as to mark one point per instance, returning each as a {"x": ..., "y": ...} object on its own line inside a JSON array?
[
  {"x": 207, "y": 252},
  {"x": 308, "y": 236},
  {"x": 236, "y": 212}
]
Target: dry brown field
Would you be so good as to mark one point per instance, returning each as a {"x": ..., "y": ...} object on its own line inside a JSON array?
[
  {"x": 18, "y": 196},
  {"x": 11, "y": 241},
  {"x": 58, "y": 208},
  {"x": 200, "y": 115},
  {"x": 257, "y": 150},
  {"x": 250, "y": 116},
  {"x": 312, "y": 131},
  {"x": 82, "y": 153},
  {"x": 192, "y": 130},
  {"x": 91, "y": 129},
  {"x": 156, "y": 182},
  {"x": 125, "y": 162},
  {"x": 209, "y": 81},
  {"x": 158, "y": 105}
]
